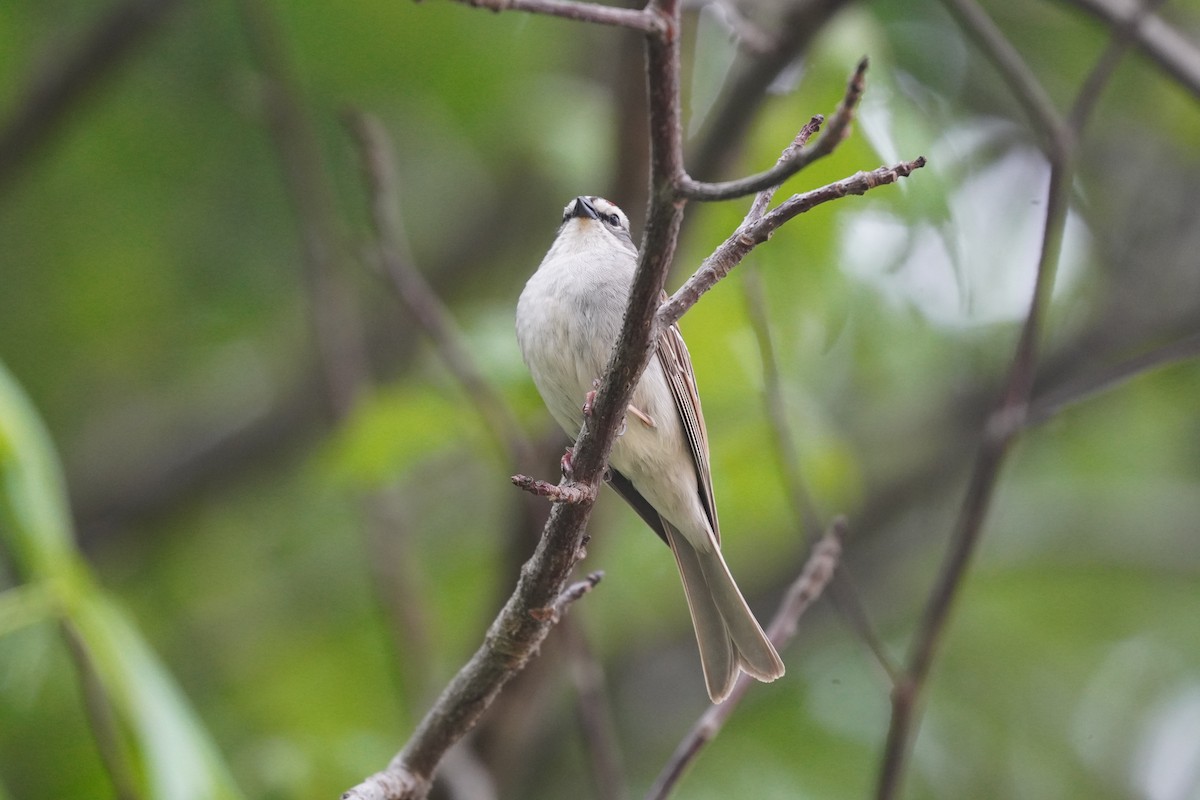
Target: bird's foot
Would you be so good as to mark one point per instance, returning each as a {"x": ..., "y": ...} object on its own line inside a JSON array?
[{"x": 589, "y": 399}]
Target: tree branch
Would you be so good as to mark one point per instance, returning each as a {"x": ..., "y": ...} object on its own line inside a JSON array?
[
  {"x": 514, "y": 636},
  {"x": 795, "y": 158},
  {"x": 334, "y": 316},
  {"x": 1049, "y": 405},
  {"x": 67, "y": 80},
  {"x": 753, "y": 233},
  {"x": 582, "y": 12},
  {"x": 595, "y": 718},
  {"x": 414, "y": 292},
  {"x": 1178, "y": 56},
  {"x": 1005, "y": 423}
]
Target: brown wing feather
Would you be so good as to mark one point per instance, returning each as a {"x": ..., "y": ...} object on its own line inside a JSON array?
[{"x": 677, "y": 366}]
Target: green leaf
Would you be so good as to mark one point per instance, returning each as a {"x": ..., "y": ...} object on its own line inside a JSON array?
[{"x": 180, "y": 761}]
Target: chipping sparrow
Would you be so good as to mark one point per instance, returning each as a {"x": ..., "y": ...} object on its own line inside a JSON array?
[{"x": 568, "y": 319}]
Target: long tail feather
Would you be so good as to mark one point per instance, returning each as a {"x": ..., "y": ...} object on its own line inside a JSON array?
[{"x": 727, "y": 633}]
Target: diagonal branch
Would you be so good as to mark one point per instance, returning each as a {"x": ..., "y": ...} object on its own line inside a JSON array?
[
  {"x": 521, "y": 625},
  {"x": 795, "y": 160},
  {"x": 1009, "y": 416},
  {"x": 1051, "y": 403},
  {"x": 52, "y": 94},
  {"x": 1178, "y": 56},
  {"x": 414, "y": 291},
  {"x": 335, "y": 322},
  {"x": 754, "y": 232}
]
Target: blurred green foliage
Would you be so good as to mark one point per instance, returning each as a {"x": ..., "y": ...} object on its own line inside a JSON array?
[{"x": 153, "y": 306}]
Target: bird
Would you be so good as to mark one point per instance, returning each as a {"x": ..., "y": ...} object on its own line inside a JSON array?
[{"x": 568, "y": 318}]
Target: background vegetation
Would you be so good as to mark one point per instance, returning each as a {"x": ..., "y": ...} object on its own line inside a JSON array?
[{"x": 267, "y": 569}]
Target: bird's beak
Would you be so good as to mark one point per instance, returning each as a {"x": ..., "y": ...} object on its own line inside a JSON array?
[{"x": 583, "y": 208}]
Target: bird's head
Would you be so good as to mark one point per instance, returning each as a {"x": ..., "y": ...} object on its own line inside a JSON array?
[{"x": 593, "y": 221}]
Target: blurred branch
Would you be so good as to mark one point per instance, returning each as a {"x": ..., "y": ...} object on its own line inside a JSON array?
[
  {"x": 1178, "y": 56},
  {"x": 800, "y": 498},
  {"x": 748, "y": 36},
  {"x": 1006, "y": 421},
  {"x": 418, "y": 296},
  {"x": 595, "y": 719},
  {"x": 466, "y": 777},
  {"x": 68, "y": 79},
  {"x": 1048, "y": 405},
  {"x": 401, "y": 589},
  {"x": 1124, "y": 34},
  {"x": 845, "y": 597},
  {"x": 1020, "y": 78},
  {"x": 339, "y": 338},
  {"x": 817, "y": 573}
]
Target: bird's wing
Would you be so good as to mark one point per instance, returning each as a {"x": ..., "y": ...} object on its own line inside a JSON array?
[
  {"x": 624, "y": 487},
  {"x": 677, "y": 366}
]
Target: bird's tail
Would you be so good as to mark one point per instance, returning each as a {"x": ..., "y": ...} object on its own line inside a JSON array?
[{"x": 728, "y": 635}]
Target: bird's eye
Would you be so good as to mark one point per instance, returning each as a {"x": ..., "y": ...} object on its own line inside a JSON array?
[{"x": 614, "y": 220}]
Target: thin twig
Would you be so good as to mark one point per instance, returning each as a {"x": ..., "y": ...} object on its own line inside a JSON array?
[
  {"x": 339, "y": 339},
  {"x": 413, "y": 290},
  {"x": 1052, "y": 403},
  {"x": 843, "y": 117},
  {"x": 567, "y": 596},
  {"x": 581, "y": 12},
  {"x": 816, "y": 575},
  {"x": 795, "y": 158},
  {"x": 569, "y": 492},
  {"x": 731, "y": 252},
  {"x": 595, "y": 718}
]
